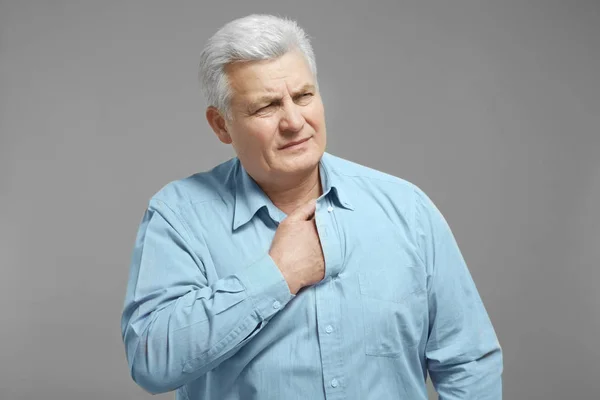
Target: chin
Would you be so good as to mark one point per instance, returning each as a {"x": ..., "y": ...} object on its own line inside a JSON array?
[{"x": 303, "y": 162}]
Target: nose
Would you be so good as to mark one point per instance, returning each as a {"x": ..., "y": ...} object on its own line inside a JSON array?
[{"x": 292, "y": 120}]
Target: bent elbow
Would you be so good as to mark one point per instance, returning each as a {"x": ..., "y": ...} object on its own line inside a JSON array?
[
  {"x": 151, "y": 382},
  {"x": 154, "y": 378},
  {"x": 150, "y": 369}
]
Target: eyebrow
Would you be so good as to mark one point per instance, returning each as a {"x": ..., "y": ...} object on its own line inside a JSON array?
[{"x": 266, "y": 99}]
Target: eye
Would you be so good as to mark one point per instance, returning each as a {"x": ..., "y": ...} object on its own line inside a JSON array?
[
  {"x": 304, "y": 96},
  {"x": 265, "y": 108}
]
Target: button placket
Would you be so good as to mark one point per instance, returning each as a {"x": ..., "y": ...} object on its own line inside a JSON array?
[
  {"x": 330, "y": 243},
  {"x": 331, "y": 339}
]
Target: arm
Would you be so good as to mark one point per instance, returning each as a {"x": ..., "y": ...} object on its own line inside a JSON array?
[
  {"x": 463, "y": 354},
  {"x": 175, "y": 326}
]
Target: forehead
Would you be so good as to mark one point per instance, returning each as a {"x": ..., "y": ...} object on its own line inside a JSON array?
[{"x": 255, "y": 78}]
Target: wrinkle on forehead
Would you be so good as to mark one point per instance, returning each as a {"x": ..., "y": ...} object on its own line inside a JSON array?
[{"x": 251, "y": 80}]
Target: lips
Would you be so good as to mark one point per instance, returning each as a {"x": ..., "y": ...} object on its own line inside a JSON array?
[{"x": 294, "y": 143}]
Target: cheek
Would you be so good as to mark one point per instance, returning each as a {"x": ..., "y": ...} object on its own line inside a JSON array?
[
  {"x": 258, "y": 133},
  {"x": 316, "y": 116}
]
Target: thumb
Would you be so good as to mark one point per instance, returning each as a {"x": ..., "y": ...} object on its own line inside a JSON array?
[{"x": 305, "y": 211}]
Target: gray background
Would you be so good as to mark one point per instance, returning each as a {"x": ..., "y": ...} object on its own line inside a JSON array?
[{"x": 492, "y": 107}]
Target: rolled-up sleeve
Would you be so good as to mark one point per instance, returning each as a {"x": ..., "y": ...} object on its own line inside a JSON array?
[
  {"x": 175, "y": 325},
  {"x": 464, "y": 357}
]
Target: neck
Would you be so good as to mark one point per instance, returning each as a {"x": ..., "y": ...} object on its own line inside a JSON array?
[{"x": 292, "y": 193}]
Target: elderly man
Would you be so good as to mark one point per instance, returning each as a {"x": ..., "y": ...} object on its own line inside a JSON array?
[{"x": 290, "y": 273}]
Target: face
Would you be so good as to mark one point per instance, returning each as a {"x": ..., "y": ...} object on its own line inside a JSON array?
[{"x": 274, "y": 103}]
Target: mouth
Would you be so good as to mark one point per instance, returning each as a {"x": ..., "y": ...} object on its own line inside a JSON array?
[{"x": 295, "y": 144}]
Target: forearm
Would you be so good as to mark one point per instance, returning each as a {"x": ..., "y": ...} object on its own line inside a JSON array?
[
  {"x": 181, "y": 339},
  {"x": 463, "y": 353},
  {"x": 468, "y": 366}
]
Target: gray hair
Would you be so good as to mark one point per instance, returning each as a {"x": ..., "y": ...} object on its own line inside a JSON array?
[{"x": 251, "y": 38}]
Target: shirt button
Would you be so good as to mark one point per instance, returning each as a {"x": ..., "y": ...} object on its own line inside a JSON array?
[
  {"x": 329, "y": 329},
  {"x": 329, "y": 209},
  {"x": 276, "y": 305},
  {"x": 334, "y": 383}
]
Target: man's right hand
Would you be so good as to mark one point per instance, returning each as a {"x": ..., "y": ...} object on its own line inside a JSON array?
[{"x": 296, "y": 248}]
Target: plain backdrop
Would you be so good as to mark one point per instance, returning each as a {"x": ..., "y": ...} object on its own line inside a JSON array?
[{"x": 491, "y": 107}]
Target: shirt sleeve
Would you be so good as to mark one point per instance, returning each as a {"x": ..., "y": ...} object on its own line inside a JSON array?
[
  {"x": 175, "y": 326},
  {"x": 464, "y": 357}
]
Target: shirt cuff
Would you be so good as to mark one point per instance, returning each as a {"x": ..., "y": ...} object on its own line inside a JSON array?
[{"x": 266, "y": 286}]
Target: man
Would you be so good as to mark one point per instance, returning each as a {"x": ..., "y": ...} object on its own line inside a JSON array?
[{"x": 290, "y": 273}]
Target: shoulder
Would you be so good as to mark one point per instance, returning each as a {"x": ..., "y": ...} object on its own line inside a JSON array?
[
  {"x": 373, "y": 181},
  {"x": 201, "y": 187}
]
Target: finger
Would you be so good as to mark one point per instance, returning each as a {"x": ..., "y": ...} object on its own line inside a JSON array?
[{"x": 305, "y": 212}]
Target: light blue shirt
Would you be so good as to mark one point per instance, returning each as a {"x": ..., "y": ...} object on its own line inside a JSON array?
[{"x": 209, "y": 314}]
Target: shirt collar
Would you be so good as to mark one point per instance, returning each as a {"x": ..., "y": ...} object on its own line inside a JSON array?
[{"x": 249, "y": 197}]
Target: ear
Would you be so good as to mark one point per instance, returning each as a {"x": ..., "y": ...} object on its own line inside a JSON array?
[{"x": 217, "y": 123}]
